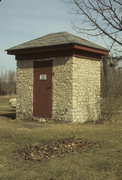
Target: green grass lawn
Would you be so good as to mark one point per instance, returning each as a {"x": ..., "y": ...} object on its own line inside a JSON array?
[{"x": 97, "y": 163}]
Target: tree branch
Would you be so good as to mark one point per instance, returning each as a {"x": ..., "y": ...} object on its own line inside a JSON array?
[
  {"x": 118, "y": 2},
  {"x": 100, "y": 11},
  {"x": 94, "y": 21}
]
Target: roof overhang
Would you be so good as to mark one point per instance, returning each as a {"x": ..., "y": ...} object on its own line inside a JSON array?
[
  {"x": 89, "y": 49},
  {"x": 56, "y": 48},
  {"x": 63, "y": 50}
]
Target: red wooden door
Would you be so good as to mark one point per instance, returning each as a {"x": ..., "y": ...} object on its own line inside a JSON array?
[{"x": 42, "y": 99}]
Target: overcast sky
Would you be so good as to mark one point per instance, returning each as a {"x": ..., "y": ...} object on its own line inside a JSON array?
[{"x": 24, "y": 20}]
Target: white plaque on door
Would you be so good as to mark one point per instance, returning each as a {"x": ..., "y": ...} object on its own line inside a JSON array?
[{"x": 43, "y": 77}]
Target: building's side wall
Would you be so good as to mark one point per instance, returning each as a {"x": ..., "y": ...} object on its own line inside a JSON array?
[
  {"x": 86, "y": 90},
  {"x": 24, "y": 85},
  {"x": 62, "y": 89}
]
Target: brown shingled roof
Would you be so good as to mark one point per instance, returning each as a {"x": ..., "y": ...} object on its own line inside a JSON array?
[{"x": 61, "y": 38}]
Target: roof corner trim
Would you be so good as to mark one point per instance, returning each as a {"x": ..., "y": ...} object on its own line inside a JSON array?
[{"x": 89, "y": 49}]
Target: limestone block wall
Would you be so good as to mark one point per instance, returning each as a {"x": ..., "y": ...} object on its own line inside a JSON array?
[
  {"x": 62, "y": 89},
  {"x": 86, "y": 90},
  {"x": 75, "y": 89},
  {"x": 24, "y": 107}
]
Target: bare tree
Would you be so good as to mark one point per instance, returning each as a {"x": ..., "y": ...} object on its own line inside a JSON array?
[
  {"x": 7, "y": 82},
  {"x": 111, "y": 90},
  {"x": 100, "y": 18}
]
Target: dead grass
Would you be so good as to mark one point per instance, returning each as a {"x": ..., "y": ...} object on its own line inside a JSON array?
[{"x": 97, "y": 163}]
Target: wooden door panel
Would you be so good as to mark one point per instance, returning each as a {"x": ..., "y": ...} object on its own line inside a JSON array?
[{"x": 42, "y": 102}]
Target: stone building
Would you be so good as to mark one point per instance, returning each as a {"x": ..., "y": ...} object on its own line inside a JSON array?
[{"x": 58, "y": 78}]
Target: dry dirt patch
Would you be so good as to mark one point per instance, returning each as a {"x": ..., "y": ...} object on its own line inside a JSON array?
[{"x": 59, "y": 148}]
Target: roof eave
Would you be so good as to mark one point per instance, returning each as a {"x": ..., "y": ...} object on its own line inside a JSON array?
[
  {"x": 59, "y": 47},
  {"x": 40, "y": 49},
  {"x": 94, "y": 50}
]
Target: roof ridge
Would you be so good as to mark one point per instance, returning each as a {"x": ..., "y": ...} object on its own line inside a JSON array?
[
  {"x": 72, "y": 41},
  {"x": 66, "y": 36},
  {"x": 81, "y": 38}
]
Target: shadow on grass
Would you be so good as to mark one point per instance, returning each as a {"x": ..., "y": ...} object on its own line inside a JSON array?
[{"x": 10, "y": 114}]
